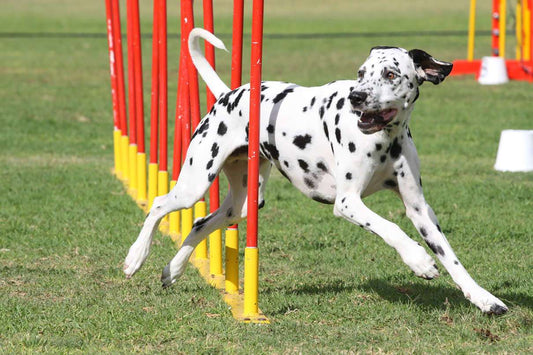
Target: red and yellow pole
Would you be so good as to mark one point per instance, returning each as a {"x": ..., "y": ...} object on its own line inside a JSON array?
[
  {"x": 162, "y": 176},
  {"x": 114, "y": 88},
  {"x": 232, "y": 233},
  {"x": 154, "y": 119},
  {"x": 251, "y": 253}
]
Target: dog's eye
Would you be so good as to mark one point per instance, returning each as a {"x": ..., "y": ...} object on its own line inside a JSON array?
[{"x": 390, "y": 75}]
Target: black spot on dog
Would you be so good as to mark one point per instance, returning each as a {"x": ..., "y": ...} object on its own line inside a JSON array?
[
  {"x": 383, "y": 158},
  {"x": 209, "y": 164},
  {"x": 211, "y": 177},
  {"x": 423, "y": 232},
  {"x": 348, "y": 176},
  {"x": 338, "y": 135},
  {"x": 190, "y": 161},
  {"x": 456, "y": 262},
  {"x": 199, "y": 224},
  {"x": 437, "y": 249},
  {"x": 326, "y": 132},
  {"x": 304, "y": 109},
  {"x": 286, "y": 163},
  {"x": 309, "y": 183},
  {"x": 337, "y": 119},
  {"x": 202, "y": 128},
  {"x": 261, "y": 204},
  {"x": 312, "y": 102},
  {"x": 302, "y": 141},
  {"x": 340, "y": 103},
  {"x": 214, "y": 150},
  {"x": 351, "y": 147},
  {"x": 272, "y": 150},
  {"x": 331, "y": 99},
  {"x": 247, "y": 131},
  {"x": 378, "y": 146},
  {"x": 438, "y": 228},
  {"x": 396, "y": 149},
  {"x": 282, "y": 95},
  {"x": 321, "y": 111},
  {"x": 222, "y": 129},
  {"x": 303, "y": 164},
  {"x": 322, "y": 166},
  {"x": 229, "y": 212},
  {"x": 270, "y": 129}
]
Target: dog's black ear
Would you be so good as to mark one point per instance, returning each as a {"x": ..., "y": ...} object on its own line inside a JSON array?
[{"x": 428, "y": 68}]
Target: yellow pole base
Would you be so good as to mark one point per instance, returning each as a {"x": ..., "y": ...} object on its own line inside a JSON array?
[
  {"x": 152, "y": 183},
  {"x": 124, "y": 151},
  {"x": 116, "y": 149},
  {"x": 141, "y": 180},
  {"x": 186, "y": 223},
  {"x": 200, "y": 211},
  {"x": 174, "y": 221},
  {"x": 132, "y": 150},
  {"x": 162, "y": 189},
  {"x": 251, "y": 282},
  {"x": 215, "y": 253},
  {"x": 232, "y": 260}
]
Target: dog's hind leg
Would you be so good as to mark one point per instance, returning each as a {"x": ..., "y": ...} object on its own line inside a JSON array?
[
  {"x": 232, "y": 210},
  {"x": 180, "y": 197},
  {"x": 191, "y": 186}
]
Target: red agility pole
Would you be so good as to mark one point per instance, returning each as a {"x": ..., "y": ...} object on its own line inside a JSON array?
[
  {"x": 215, "y": 238},
  {"x": 162, "y": 177},
  {"x": 139, "y": 104},
  {"x": 154, "y": 119},
  {"x": 232, "y": 233},
  {"x": 121, "y": 95},
  {"x": 132, "y": 104},
  {"x": 251, "y": 255},
  {"x": 114, "y": 88}
]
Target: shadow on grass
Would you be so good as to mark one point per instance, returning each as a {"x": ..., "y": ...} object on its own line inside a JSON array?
[{"x": 425, "y": 295}]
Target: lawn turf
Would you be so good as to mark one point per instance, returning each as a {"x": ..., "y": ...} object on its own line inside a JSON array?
[{"x": 328, "y": 287}]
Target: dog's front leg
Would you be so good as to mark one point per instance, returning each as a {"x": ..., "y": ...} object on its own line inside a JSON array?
[
  {"x": 349, "y": 205},
  {"x": 425, "y": 221}
]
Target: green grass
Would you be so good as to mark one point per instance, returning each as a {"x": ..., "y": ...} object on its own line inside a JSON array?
[{"x": 327, "y": 286}]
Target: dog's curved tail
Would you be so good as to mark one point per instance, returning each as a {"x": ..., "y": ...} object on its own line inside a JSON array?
[{"x": 211, "y": 78}]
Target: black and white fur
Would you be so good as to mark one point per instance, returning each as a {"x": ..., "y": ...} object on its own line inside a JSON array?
[{"x": 335, "y": 143}]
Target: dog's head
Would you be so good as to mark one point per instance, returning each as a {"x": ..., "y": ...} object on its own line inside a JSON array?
[{"x": 388, "y": 84}]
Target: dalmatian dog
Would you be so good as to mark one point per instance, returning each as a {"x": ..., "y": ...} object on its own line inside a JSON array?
[{"x": 336, "y": 143}]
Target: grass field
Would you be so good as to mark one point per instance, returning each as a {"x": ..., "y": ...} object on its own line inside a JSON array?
[{"x": 328, "y": 287}]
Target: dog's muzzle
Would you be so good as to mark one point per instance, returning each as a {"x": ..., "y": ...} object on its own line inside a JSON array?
[{"x": 370, "y": 121}]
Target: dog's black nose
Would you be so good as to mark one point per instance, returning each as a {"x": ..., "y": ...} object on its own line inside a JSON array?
[{"x": 357, "y": 97}]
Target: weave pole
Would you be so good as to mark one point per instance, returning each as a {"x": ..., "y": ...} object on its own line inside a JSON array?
[
  {"x": 129, "y": 145},
  {"x": 114, "y": 88},
  {"x": 251, "y": 253}
]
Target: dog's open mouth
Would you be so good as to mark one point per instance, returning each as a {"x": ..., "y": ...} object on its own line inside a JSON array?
[{"x": 371, "y": 122}]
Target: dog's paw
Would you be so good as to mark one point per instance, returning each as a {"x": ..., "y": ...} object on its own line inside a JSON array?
[
  {"x": 488, "y": 303},
  {"x": 171, "y": 273},
  {"x": 135, "y": 259},
  {"x": 422, "y": 264}
]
